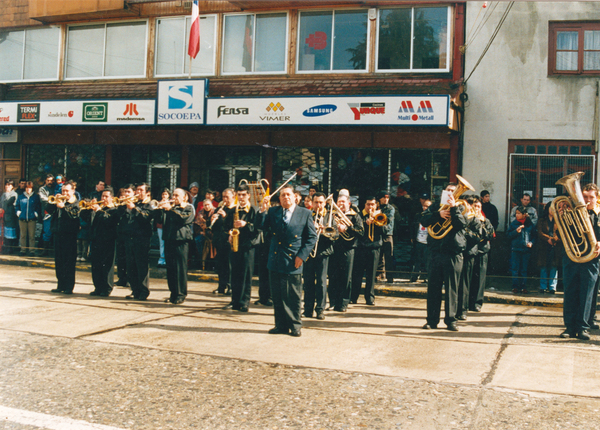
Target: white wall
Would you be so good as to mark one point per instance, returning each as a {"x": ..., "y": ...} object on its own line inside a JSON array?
[{"x": 511, "y": 95}]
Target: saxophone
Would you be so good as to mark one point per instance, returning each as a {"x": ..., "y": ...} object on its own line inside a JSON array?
[{"x": 234, "y": 233}]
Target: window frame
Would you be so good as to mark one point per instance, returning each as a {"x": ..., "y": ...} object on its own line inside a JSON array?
[
  {"x": 449, "y": 39},
  {"x": 58, "y": 57},
  {"x": 331, "y": 70},
  {"x": 106, "y": 24},
  {"x": 580, "y": 27},
  {"x": 255, "y": 14},
  {"x": 186, "y": 38}
]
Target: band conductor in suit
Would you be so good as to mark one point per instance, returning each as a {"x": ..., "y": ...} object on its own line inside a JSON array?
[{"x": 293, "y": 237}]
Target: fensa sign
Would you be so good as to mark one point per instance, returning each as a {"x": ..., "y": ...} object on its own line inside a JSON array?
[
  {"x": 181, "y": 102},
  {"x": 363, "y": 110}
]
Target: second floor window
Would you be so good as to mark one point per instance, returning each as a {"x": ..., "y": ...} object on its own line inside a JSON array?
[
  {"x": 106, "y": 50},
  {"x": 574, "y": 48},
  {"x": 333, "y": 40},
  {"x": 414, "y": 39},
  {"x": 255, "y": 43},
  {"x": 29, "y": 54}
]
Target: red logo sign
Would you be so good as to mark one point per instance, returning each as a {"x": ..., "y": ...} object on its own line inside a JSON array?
[
  {"x": 318, "y": 40},
  {"x": 131, "y": 109}
]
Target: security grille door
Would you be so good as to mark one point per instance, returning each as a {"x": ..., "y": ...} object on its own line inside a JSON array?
[{"x": 537, "y": 175}]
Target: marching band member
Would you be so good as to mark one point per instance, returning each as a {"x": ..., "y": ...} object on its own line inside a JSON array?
[
  {"x": 387, "y": 247},
  {"x": 473, "y": 235},
  {"x": 446, "y": 261},
  {"x": 481, "y": 259},
  {"x": 343, "y": 255},
  {"x": 65, "y": 225},
  {"x": 367, "y": 253},
  {"x": 177, "y": 219},
  {"x": 293, "y": 237},
  {"x": 136, "y": 228},
  {"x": 103, "y": 218},
  {"x": 315, "y": 267},
  {"x": 240, "y": 225},
  {"x": 221, "y": 242}
]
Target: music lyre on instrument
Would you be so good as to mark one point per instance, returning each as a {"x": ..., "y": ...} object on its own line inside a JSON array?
[
  {"x": 257, "y": 191},
  {"x": 573, "y": 221},
  {"x": 319, "y": 225}
]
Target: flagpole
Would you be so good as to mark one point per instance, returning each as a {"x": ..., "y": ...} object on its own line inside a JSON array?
[{"x": 190, "y": 69}]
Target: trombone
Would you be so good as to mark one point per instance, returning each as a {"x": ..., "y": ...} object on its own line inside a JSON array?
[{"x": 378, "y": 219}]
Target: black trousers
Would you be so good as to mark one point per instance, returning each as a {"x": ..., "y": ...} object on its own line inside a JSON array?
[
  {"x": 176, "y": 257},
  {"x": 264, "y": 287},
  {"x": 137, "y": 250},
  {"x": 365, "y": 263},
  {"x": 444, "y": 269},
  {"x": 102, "y": 255},
  {"x": 478, "y": 283},
  {"x": 286, "y": 291},
  {"x": 387, "y": 258},
  {"x": 464, "y": 286},
  {"x": 223, "y": 265},
  {"x": 315, "y": 284},
  {"x": 341, "y": 277},
  {"x": 419, "y": 259},
  {"x": 121, "y": 259},
  {"x": 65, "y": 259},
  {"x": 242, "y": 267}
]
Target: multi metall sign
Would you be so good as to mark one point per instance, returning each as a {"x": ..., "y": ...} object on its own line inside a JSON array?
[
  {"x": 181, "y": 102},
  {"x": 363, "y": 110}
]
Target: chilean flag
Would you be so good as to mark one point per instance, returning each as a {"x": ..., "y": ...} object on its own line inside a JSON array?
[{"x": 194, "y": 45}]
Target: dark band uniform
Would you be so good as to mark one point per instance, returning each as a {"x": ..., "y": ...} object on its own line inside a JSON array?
[
  {"x": 445, "y": 264},
  {"x": 473, "y": 234},
  {"x": 103, "y": 224},
  {"x": 242, "y": 261},
  {"x": 365, "y": 262},
  {"x": 480, "y": 265},
  {"x": 135, "y": 227},
  {"x": 342, "y": 263},
  {"x": 315, "y": 273},
  {"x": 177, "y": 234},
  {"x": 64, "y": 227},
  {"x": 221, "y": 243}
]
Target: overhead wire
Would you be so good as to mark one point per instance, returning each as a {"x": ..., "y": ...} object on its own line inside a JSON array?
[
  {"x": 492, "y": 37},
  {"x": 486, "y": 16}
]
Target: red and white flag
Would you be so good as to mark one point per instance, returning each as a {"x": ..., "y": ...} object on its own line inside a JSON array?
[{"x": 194, "y": 45}]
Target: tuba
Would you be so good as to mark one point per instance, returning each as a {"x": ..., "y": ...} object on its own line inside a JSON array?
[
  {"x": 573, "y": 221},
  {"x": 441, "y": 228}
]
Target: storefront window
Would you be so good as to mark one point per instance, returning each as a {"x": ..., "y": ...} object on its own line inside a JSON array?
[
  {"x": 98, "y": 50},
  {"x": 172, "y": 39},
  {"x": 29, "y": 54},
  {"x": 255, "y": 43},
  {"x": 415, "y": 39},
  {"x": 334, "y": 40},
  {"x": 310, "y": 164},
  {"x": 362, "y": 171}
]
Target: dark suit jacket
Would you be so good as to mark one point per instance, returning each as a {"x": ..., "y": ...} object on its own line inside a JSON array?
[{"x": 297, "y": 239}]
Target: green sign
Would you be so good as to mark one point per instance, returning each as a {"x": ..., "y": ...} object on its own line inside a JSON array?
[{"x": 95, "y": 112}]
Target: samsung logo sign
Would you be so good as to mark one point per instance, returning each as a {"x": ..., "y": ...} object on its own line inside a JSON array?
[{"x": 319, "y": 110}]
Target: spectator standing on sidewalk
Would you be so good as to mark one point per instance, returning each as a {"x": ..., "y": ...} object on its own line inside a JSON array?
[
  {"x": 11, "y": 221},
  {"x": 489, "y": 210},
  {"x": 521, "y": 234},
  {"x": 28, "y": 209},
  {"x": 419, "y": 241},
  {"x": 549, "y": 253}
]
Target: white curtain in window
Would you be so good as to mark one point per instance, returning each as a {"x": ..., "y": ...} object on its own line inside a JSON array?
[
  {"x": 591, "y": 47},
  {"x": 238, "y": 43},
  {"x": 270, "y": 43},
  {"x": 170, "y": 43},
  {"x": 85, "y": 48},
  {"x": 41, "y": 53},
  {"x": 566, "y": 41},
  {"x": 11, "y": 55},
  {"x": 125, "y": 49}
]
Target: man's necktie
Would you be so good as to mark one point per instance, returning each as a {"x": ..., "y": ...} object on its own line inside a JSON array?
[{"x": 286, "y": 217}]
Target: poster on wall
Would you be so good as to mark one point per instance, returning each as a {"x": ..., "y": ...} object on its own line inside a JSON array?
[{"x": 181, "y": 102}]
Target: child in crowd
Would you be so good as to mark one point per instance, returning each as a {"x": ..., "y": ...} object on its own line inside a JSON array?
[{"x": 520, "y": 232}]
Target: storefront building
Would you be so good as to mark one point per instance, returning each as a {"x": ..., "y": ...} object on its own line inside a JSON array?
[{"x": 350, "y": 94}]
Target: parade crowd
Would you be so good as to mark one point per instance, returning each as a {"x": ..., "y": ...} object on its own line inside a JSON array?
[{"x": 311, "y": 252}]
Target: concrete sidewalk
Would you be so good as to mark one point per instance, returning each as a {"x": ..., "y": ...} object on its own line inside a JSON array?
[{"x": 498, "y": 291}]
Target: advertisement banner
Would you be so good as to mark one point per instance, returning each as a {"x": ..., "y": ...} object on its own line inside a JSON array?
[
  {"x": 102, "y": 112},
  {"x": 181, "y": 102},
  {"x": 8, "y": 135},
  {"x": 360, "y": 110}
]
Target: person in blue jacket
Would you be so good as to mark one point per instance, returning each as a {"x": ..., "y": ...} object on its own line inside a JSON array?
[
  {"x": 28, "y": 208},
  {"x": 520, "y": 232}
]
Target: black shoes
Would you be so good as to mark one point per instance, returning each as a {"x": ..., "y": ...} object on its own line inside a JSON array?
[
  {"x": 56, "y": 290},
  {"x": 320, "y": 315},
  {"x": 429, "y": 326},
  {"x": 243, "y": 309},
  {"x": 583, "y": 335},
  {"x": 370, "y": 303},
  {"x": 353, "y": 301},
  {"x": 277, "y": 330},
  {"x": 452, "y": 327},
  {"x": 131, "y": 297},
  {"x": 594, "y": 326},
  {"x": 568, "y": 334},
  {"x": 296, "y": 333},
  {"x": 462, "y": 317},
  {"x": 95, "y": 293},
  {"x": 307, "y": 315},
  {"x": 228, "y": 306},
  {"x": 267, "y": 303}
]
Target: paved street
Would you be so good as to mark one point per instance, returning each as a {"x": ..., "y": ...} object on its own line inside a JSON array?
[{"x": 84, "y": 362}]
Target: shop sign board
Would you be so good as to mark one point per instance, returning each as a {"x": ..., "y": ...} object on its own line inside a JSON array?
[
  {"x": 363, "y": 110},
  {"x": 181, "y": 102},
  {"x": 88, "y": 112},
  {"x": 8, "y": 135}
]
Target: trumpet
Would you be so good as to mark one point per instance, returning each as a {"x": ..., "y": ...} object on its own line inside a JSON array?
[
  {"x": 155, "y": 204},
  {"x": 86, "y": 205},
  {"x": 120, "y": 201},
  {"x": 58, "y": 198}
]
